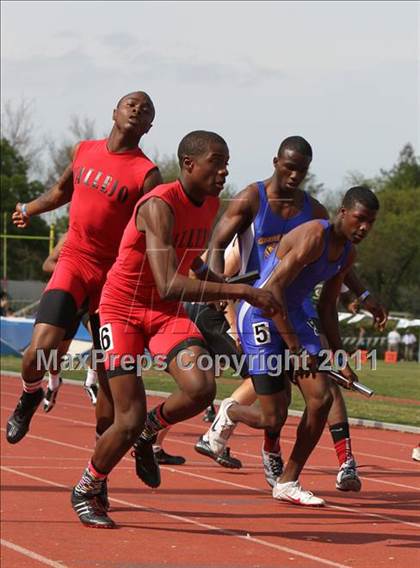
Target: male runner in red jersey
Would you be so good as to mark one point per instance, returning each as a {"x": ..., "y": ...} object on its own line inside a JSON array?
[
  {"x": 103, "y": 184},
  {"x": 141, "y": 306}
]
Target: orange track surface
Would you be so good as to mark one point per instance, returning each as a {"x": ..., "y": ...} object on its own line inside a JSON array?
[{"x": 203, "y": 515}]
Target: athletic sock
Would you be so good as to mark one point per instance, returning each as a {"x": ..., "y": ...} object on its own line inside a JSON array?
[
  {"x": 341, "y": 437},
  {"x": 154, "y": 422},
  {"x": 92, "y": 481},
  {"x": 53, "y": 380},
  {"x": 271, "y": 442},
  {"x": 31, "y": 387},
  {"x": 91, "y": 377}
]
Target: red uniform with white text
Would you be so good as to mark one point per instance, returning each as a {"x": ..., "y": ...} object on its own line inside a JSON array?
[
  {"x": 133, "y": 316},
  {"x": 107, "y": 186}
]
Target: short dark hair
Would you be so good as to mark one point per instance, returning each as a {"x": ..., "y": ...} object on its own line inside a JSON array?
[
  {"x": 134, "y": 93},
  {"x": 197, "y": 143},
  {"x": 363, "y": 195},
  {"x": 296, "y": 143}
]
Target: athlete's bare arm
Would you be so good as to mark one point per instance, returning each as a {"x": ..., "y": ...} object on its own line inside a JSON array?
[
  {"x": 155, "y": 218},
  {"x": 298, "y": 248},
  {"x": 59, "y": 194},
  {"x": 327, "y": 310},
  {"x": 352, "y": 280},
  {"x": 153, "y": 179},
  {"x": 378, "y": 311},
  {"x": 51, "y": 261},
  {"x": 236, "y": 219}
]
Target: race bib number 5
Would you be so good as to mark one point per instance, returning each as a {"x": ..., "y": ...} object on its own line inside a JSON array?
[
  {"x": 105, "y": 337},
  {"x": 262, "y": 333}
]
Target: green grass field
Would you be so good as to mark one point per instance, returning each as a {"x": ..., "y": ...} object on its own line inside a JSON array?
[{"x": 400, "y": 382}]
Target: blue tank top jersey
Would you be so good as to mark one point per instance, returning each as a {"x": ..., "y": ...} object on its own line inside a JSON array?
[
  {"x": 257, "y": 242},
  {"x": 318, "y": 271}
]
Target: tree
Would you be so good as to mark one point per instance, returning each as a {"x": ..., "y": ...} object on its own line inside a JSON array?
[
  {"x": 389, "y": 260},
  {"x": 60, "y": 154},
  {"x": 168, "y": 167},
  {"x": 25, "y": 257},
  {"x": 18, "y": 129},
  {"x": 312, "y": 186}
]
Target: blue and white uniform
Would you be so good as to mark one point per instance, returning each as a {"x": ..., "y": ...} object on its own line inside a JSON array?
[
  {"x": 266, "y": 231},
  {"x": 259, "y": 336}
]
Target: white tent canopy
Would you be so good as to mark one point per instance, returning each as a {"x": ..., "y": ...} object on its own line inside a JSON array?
[{"x": 351, "y": 319}]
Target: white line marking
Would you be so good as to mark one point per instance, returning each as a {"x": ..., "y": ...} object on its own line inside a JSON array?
[
  {"x": 360, "y": 422},
  {"x": 179, "y": 471},
  {"x": 178, "y": 518},
  {"x": 194, "y": 426},
  {"x": 31, "y": 554}
]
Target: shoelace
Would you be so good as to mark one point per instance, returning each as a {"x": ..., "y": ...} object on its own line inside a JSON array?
[
  {"x": 276, "y": 464},
  {"x": 305, "y": 495}
]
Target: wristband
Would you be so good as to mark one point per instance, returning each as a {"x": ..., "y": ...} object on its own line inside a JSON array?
[
  {"x": 23, "y": 210},
  {"x": 203, "y": 268},
  {"x": 363, "y": 296}
]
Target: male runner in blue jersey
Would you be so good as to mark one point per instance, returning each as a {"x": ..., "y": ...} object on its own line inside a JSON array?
[
  {"x": 260, "y": 215},
  {"x": 317, "y": 251}
]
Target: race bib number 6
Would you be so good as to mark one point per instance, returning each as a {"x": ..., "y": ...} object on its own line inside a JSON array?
[
  {"x": 105, "y": 337},
  {"x": 262, "y": 333}
]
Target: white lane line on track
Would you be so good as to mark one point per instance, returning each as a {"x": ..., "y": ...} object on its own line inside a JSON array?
[
  {"x": 179, "y": 518},
  {"x": 355, "y": 422},
  {"x": 180, "y": 471},
  {"x": 193, "y": 426},
  {"x": 244, "y": 454},
  {"x": 243, "y": 434},
  {"x": 31, "y": 554},
  {"x": 76, "y": 395}
]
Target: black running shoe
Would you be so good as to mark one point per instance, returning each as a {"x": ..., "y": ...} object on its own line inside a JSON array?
[
  {"x": 210, "y": 414},
  {"x": 51, "y": 397},
  {"x": 91, "y": 511},
  {"x": 147, "y": 467},
  {"x": 163, "y": 458},
  {"x": 225, "y": 459},
  {"x": 18, "y": 423},
  {"x": 103, "y": 496}
]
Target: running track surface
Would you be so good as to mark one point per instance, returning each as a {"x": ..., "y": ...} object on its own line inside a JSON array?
[{"x": 203, "y": 515}]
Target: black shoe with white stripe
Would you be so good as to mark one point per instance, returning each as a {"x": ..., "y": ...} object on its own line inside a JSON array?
[
  {"x": 147, "y": 466},
  {"x": 225, "y": 459},
  {"x": 91, "y": 511},
  {"x": 18, "y": 423}
]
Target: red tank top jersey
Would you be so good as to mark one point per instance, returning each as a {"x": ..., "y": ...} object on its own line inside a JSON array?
[
  {"x": 107, "y": 186},
  {"x": 131, "y": 277}
]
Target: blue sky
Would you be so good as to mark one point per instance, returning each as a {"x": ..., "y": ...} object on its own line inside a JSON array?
[{"x": 342, "y": 74}]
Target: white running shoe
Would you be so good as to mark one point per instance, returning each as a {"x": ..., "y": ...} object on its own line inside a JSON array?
[
  {"x": 292, "y": 492},
  {"x": 347, "y": 477},
  {"x": 50, "y": 397},
  {"x": 92, "y": 392},
  {"x": 416, "y": 454},
  {"x": 222, "y": 427},
  {"x": 273, "y": 466}
]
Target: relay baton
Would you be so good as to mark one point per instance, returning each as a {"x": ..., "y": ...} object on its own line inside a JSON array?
[
  {"x": 347, "y": 384},
  {"x": 244, "y": 278}
]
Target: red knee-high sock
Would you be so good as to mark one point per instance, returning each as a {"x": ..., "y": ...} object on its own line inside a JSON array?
[{"x": 341, "y": 436}]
